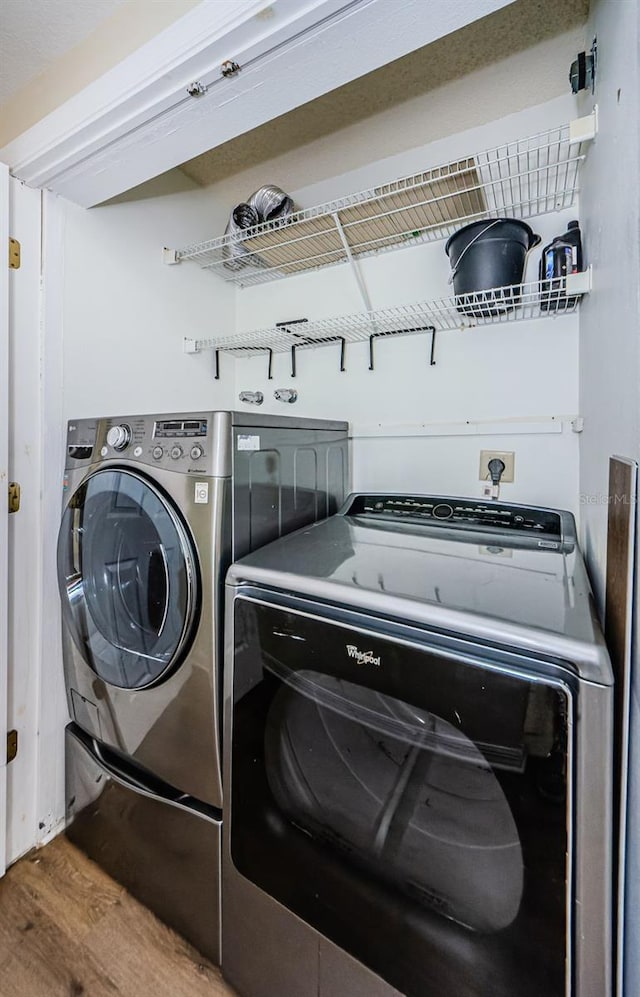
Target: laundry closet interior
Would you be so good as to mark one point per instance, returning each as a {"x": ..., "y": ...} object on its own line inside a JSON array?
[{"x": 130, "y": 304}]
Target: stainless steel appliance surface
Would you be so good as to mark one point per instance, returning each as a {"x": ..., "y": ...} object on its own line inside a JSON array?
[
  {"x": 155, "y": 509},
  {"x": 418, "y": 729}
]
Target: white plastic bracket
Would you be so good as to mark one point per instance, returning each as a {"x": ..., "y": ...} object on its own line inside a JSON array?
[
  {"x": 584, "y": 129},
  {"x": 580, "y": 283},
  {"x": 190, "y": 345},
  {"x": 577, "y": 424},
  {"x": 169, "y": 256}
]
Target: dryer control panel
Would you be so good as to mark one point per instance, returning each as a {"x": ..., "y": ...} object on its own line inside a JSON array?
[{"x": 549, "y": 527}]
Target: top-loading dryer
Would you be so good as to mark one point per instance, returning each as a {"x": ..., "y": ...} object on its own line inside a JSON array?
[
  {"x": 156, "y": 508},
  {"x": 417, "y": 758}
]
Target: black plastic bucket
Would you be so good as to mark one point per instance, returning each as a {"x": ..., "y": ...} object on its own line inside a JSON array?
[{"x": 489, "y": 254}]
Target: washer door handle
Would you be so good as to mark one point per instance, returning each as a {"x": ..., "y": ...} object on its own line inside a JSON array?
[{"x": 165, "y": 565}]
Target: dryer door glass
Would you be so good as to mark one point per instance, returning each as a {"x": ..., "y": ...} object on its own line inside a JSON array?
[
  {"x": 407, "y": 800},
  {"x": 128, "y": 578}
]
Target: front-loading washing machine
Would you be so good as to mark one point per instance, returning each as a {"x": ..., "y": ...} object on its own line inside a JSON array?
[
  {"x": 155, "y": 509},
  {"x": 418, "y": 758}
]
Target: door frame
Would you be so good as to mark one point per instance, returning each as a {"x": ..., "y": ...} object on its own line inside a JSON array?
[
  {"x": 4, "y": 481},
  {"x": 52, "y": 711}
]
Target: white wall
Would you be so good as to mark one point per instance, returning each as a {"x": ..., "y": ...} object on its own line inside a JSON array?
[
  {"x": 610, "y": 357},
  {"x": 610, "y": 353},
  {"x": 126, "y": 313},
  {"x": 507, "y": 387}
]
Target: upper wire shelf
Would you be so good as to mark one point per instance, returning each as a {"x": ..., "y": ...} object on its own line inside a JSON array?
[{"x": 524, "y": 178}]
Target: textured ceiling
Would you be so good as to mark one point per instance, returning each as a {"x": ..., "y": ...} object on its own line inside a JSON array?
[
  {"x": 512, "y": 29},
  {"x": 34, "y": 33}
]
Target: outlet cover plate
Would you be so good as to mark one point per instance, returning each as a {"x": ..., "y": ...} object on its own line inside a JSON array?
[{"x": 508, "y": 457}]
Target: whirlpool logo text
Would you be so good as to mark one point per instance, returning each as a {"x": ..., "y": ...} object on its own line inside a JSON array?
[{"x": 362, "y": 657}]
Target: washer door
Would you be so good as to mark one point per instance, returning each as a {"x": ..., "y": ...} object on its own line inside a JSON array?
[{"x": 127, "y": 572}]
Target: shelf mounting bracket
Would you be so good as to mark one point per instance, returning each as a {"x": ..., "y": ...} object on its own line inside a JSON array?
[
  {"x": 405, "y": 332},
  {"x": 169, "y": 256},
  {"x": 579, "y": 283},
  {"x": 318, "y": 342},
  {"x": 258, "y": 349},
  {"x": 355, "y": 268},
  {"x": 584, "y": 129}
]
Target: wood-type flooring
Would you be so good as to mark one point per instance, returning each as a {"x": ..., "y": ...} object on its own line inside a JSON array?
[{"x": 68, "y": 930}]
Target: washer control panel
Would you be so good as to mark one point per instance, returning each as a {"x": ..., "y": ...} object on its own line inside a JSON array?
[
  {"x": 178, "y": 443},
  {"x": 549, "y": 527},
  {"x": 171, "y": 429},
  {"x": 175, "y": 440},
  {"x": 119, "y": 437}
]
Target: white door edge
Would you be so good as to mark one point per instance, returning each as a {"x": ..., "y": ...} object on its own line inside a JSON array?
[
  {"x": 52, "y": 705},
  {"x": 4, "y": 481}
]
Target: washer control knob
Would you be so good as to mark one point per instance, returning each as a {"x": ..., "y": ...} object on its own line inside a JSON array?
[
  {"x": 157, "y": 453},
  {"x": 196, "y": 452},
  {"x": 119, "y": 437},
  {"x": 176, "y": 452},
  {"x": 443, "y": 511}
]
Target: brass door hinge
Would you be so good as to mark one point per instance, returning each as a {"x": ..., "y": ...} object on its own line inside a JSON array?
[
  {"x": 14, "y": 254},
  {"x": 14, "y": 496},
  {"x": 12, "y": 745}
]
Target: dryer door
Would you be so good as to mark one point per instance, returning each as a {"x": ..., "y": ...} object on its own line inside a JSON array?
[{"x": 127, "y": 572}]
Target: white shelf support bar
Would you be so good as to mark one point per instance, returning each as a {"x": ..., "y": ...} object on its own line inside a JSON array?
[
  {"x": 355, "y": 269},
  {"x": 580, "y": 283},
  {"x": 584, "y": 129}
]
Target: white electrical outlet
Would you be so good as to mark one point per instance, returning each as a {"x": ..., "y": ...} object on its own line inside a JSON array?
[{"x": 508, "y": 458}]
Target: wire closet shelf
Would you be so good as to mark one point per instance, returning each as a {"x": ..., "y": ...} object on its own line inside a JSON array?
[
  {"x": 520, "y": 302},
  {"x": 523, "y": 178}
]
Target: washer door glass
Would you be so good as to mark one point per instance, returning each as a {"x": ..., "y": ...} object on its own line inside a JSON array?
[{"x": 128, "y": 578}]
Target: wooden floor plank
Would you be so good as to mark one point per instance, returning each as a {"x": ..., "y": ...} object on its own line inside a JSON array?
[
  {"x": 145, "y": 956},
  {"x": 67, "y": 886},
  {"x": 67, "y": 930},
  {"x": 18, "y": 916},
  {"x": 45, "y": 961}
]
